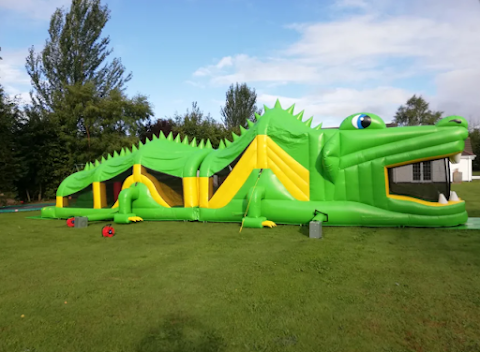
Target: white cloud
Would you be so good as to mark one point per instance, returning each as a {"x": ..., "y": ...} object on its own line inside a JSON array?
[
  {"x": 225, "y": 62},
  {"x": 209, "y": 70},
  {"x": 37, "y": 9},
  {"x": 458, "y": 93},
  {"x": 359, "y": 48},
  {"x": 366, "y": 53},
  {"x": 333, "y": 105},
  {"x": 342, "y": 4},
  {"x": 195, "y": 84},
  {"x": 13, "y": 76},
  {"x": 202, "y": 71}
]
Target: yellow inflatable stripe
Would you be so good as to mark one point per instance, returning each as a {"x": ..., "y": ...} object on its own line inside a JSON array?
[
  {"x": 296, "y": 179},
  {"x": 291, "y": 162},
  {"x": 97, "y": 195},
  {"x": 103, "y": 194},
  {"x": 190, "y": 192},
  {"x": 262, "y": 144},
  {"x": 203, "y": 187},
  {"x": 59, "y": 202},
  {"x": 158, "y": 187},
  {"x": 138, "y": 175},
  {"x": 153, "y": 191},
  {"x": 210, "y": 188},
  {"x": 235, "y": 180},
  {"x": 291, "y": 187},
  {"x": 147, "y": 182}
]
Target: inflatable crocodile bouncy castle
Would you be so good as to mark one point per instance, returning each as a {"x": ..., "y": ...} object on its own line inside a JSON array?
[{"x": 280, "y": 171}]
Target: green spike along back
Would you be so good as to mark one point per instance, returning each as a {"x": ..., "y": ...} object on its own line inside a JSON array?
[
  {"x": 193, "y": 143},
  {"x": 308, "y": 123},
  {"x": 299, "y": 116},
  {"x": 290, "y": 109},
  {"x": 319, "y": 127}
]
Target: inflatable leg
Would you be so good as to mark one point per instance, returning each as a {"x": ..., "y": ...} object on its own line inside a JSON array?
[
  {"x": 254, "y": 209},
  {"x": 125, "y": 199}
]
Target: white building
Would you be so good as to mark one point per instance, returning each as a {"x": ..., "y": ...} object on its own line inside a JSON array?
[{"x": 465, "y": 165}]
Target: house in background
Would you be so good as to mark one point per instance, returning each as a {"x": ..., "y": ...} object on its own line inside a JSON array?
[{"x": 465, "y": 165}]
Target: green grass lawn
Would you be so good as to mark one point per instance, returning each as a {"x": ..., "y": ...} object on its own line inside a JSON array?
[
  {"x": 181, "y": 287},
  {"x": 470, "y": 193}
]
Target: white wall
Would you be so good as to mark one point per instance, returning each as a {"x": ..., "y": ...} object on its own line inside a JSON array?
[
  {"x": 405, "y": 173},
  {"x": 465, "y": 167}
]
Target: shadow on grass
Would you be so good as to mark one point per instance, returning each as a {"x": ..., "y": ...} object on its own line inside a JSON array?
[
  {"x": 179, "y": 333},
  {"x": 304, "y": 230}
]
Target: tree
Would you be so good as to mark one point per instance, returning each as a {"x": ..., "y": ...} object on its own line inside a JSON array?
[
  {"x": 104, "y": 124},
  {"x": 45, "y": 157},
  {"x": 192, "y": 124},
  {"x": 160, "y": 125},
  {"x": 79, "y": 93},
  {"x": 240, "y": 106},
  {"x": 416, "y": 112},
  {"x": 11, "y": 162},
  {"x": 196, "y": 124},
  {"x": 474, "y": 135},
  {"x": 11, "y": 166},
  {"x": 75, "y": 54}
]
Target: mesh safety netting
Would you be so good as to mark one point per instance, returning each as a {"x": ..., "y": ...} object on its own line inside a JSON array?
[{"x": 423, "y": 180}]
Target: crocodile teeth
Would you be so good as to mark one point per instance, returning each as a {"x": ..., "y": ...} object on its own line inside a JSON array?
[
  {"x": 442, "y": 199},
  {"x": 455, "y": 159},
  {"x": 454, "y": 197}
]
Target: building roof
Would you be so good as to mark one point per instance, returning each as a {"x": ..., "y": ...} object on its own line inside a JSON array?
[{"x": 468, "y": 147}]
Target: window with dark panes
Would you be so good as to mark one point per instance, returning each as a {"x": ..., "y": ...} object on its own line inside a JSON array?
[
  {"x": 416, "y": 172},
  {"x": 427, "y": 170}
]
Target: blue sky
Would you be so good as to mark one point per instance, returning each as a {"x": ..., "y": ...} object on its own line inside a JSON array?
[{"x": 332, "y": 58}]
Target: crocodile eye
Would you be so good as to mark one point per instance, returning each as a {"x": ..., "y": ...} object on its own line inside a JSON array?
[{"x": 361, "y": 121}]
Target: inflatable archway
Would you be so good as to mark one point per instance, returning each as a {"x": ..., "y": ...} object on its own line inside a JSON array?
[{"x": 280, "y": 171}]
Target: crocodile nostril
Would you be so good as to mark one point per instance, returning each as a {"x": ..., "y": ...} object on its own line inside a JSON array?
[{"x": 456, "y": 120}]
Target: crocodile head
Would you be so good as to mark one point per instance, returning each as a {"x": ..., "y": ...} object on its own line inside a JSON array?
[{"x": 399, "y": 168}]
